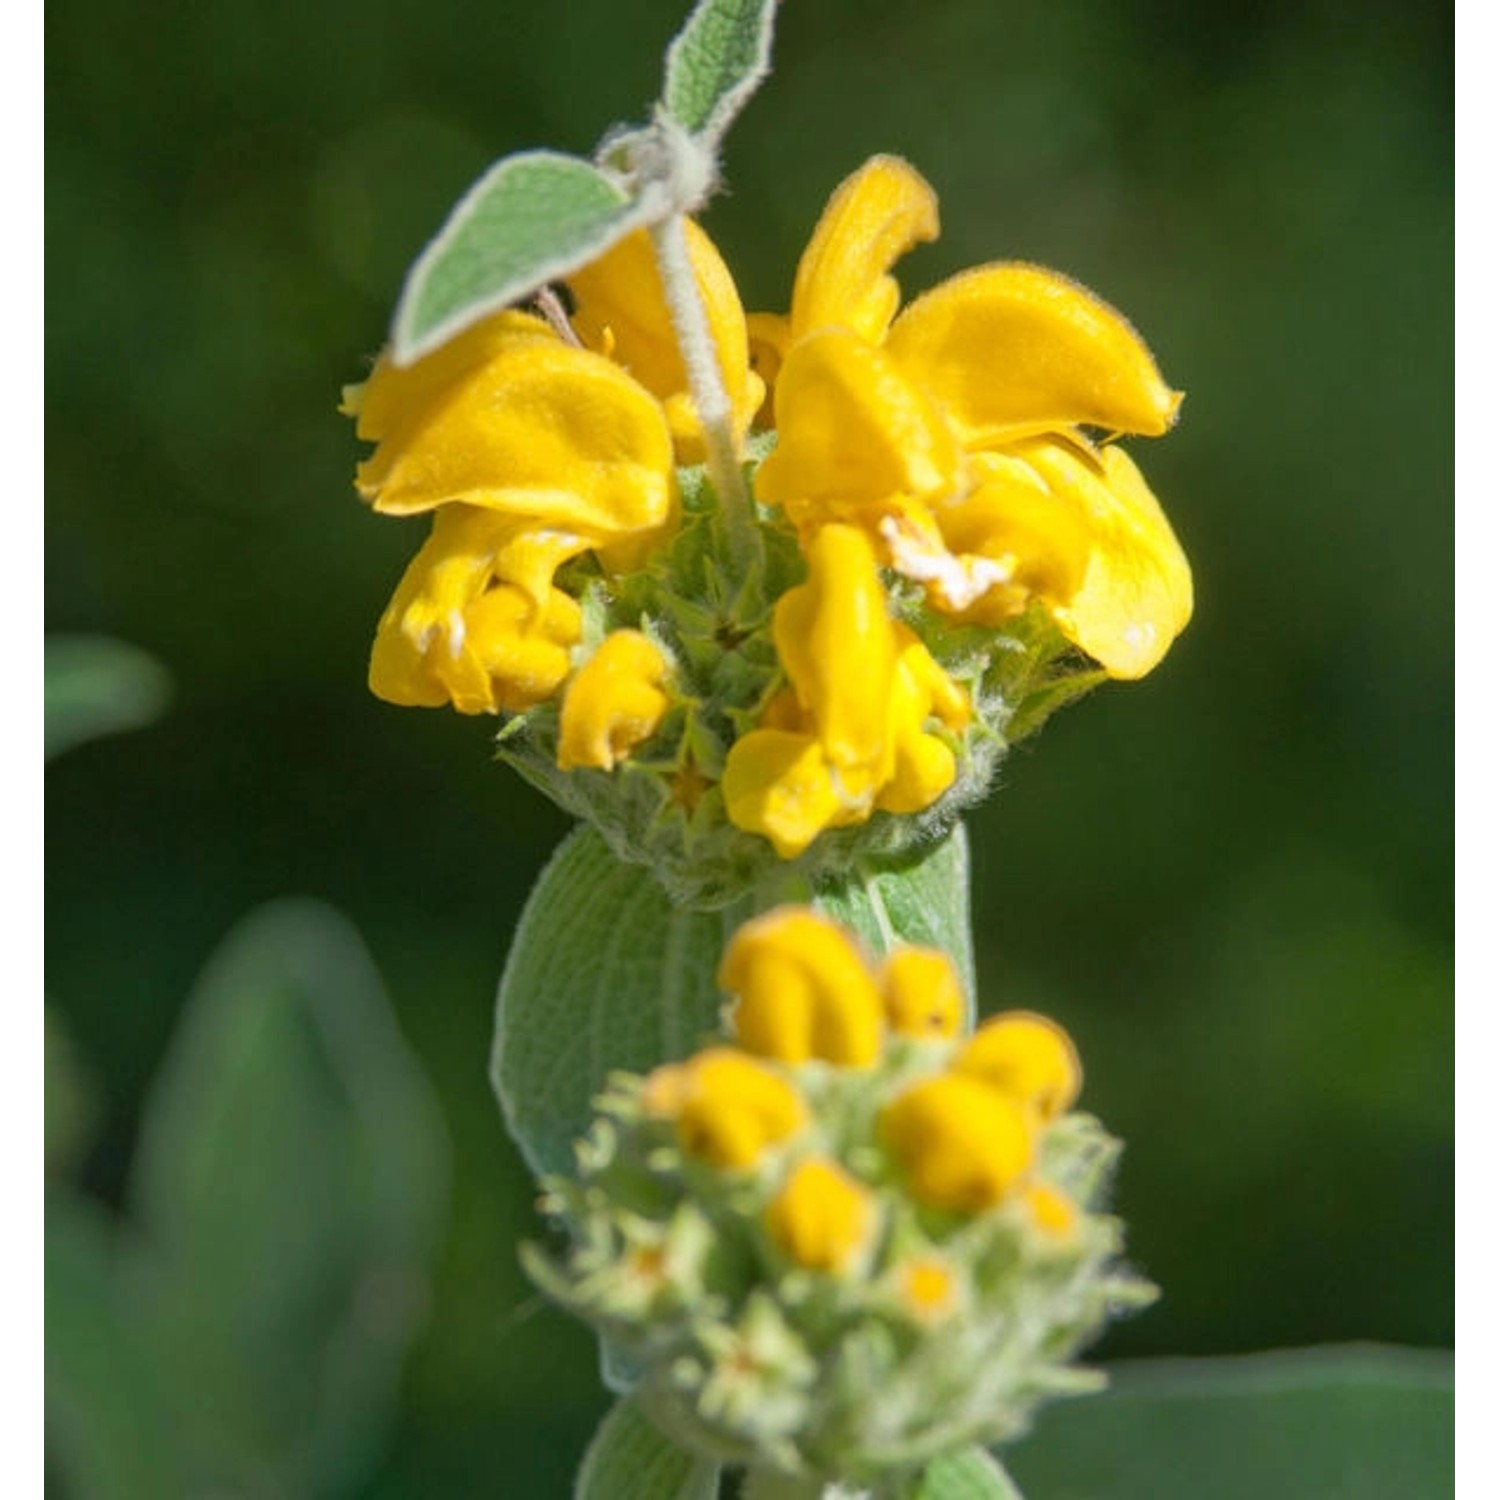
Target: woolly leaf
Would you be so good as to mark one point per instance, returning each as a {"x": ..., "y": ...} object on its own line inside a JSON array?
[
  {"x": 532, "y": 218},
  {"x": 716, "y": 63}
]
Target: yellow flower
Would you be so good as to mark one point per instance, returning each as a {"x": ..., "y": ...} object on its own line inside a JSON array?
[
  {"x": 621, "y": 311},
  {"x": 530, "y": 451},
  {"x": 728, "y": 1108},
  {"x": 853, "y": 736},
  {"x": 458, "y": 631},
  {"x": 922, "y": 993},
  {"x": 614, "y": 703},
  {"x": 952, "y": 432},
  {"x": 821, "y": 1218},
  {"x": 1028, "y": 1058},
  {"x": 801, "y": 990},
  {"x": 961, "y": 1145}
]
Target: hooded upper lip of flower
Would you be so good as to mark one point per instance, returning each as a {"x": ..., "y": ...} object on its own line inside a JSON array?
[{"x": 953, "y": 433}]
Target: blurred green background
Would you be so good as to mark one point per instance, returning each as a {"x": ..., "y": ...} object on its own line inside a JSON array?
[{"x": 1233, "y": 882}]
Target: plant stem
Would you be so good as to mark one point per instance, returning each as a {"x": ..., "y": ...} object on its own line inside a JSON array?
[{"x": 701, "y": 359}]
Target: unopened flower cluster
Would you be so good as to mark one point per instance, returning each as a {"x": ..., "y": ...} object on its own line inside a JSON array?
[
  {"x": 944, "y": 541},
  {"x": 845, "y": 1239}
]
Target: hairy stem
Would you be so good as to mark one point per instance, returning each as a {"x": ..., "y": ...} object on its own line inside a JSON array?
[{"x": 701, "y": 359}]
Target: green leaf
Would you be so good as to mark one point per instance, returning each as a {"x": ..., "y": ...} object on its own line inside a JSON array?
[
  {"x": 630, "y": 1459},
  {"x": 604, "y": 974},
  {"x": 107, "y": 1424},
  {"x": 291, "y": 1182},
  {"x": 923, "y": 900},
  {"x": 970, "y": 1475},
  {"x": 531, "y": 219},
  {"x": 716, "y": 62},
  {"x": 1365, "y": 1422},
  {"x": 97, "y": 686}
]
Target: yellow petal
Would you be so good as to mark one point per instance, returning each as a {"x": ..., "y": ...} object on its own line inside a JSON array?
[
  {"x": 837, "y": 643},
  {"x": 778, "y": 783},
  {"x": 1137, "y": 591},
  {"x": 854, "y": 434},
  {"x": 622, "y": 310},
  {"x": 873, "y": 218},
  {"x": 1013, "y": 349},
  {"x": 801, "y": 990},
  {"x": 613, "y": 704},
  {"x": 770, "y": 338},
  {"x": 529, "y": 426},
  {"x": 821, "y": 1218},
  {"x": 922, "y": 767},
  {"x": 960, "y": 1144},
  {"x": 922, "y": 994},
  {"x": 456, "y": 633}
]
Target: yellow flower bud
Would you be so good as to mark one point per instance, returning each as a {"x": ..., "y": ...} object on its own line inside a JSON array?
[
  {"x": 927, "y": 1287},
  {"x": 802, "y": 990},
  {"x": 960, "y": 1144},
  {"x": 821, "y": 1218},
  {"x": 1052, "y": 1211},
  {"x": 733, "y": 1108},
  {"x": 1028, "y": 1058},
  {"x": 613, "y": 704},
  {"x": 922, "y": 993}
]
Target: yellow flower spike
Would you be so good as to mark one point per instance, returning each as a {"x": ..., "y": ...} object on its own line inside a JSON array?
[
  {"x": 525, "y": 425},
  {"x": 801, "y": 990},
  {"x": 873, "y": 218},
  {"x": 455, "y": 632},
  {"x": 922, "y": 994},
  {"x": 735, "y": 1109},
  {"x": 1013, "y": 349},
  {"x": 960, "y": 1144},
  {"x": 822, "y": 627},
  {"x": 822, "y": 1218},
  {"x": 622, "y": 312},
  {"x": 1137, "y": 591},
  {"x": 1028, "y": 1058},
  {"x": 614, "y": 702},
  {"x": 1052, "y": 1211},
  {"x": 928, "y": 1288},
  {"x": 853, "y": 436}
]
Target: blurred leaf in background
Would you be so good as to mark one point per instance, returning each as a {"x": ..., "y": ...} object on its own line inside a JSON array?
[{"x": 244, "y": 1329}]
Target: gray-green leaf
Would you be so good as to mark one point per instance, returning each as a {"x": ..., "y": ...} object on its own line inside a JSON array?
[
  {"x": 1307, "y": 1424},
  {"x": 716, "y": 63},
  {"x": 97, "y": 686},
  {"x": 290, "y": 1181},
  {"x": 923, "y": 900},
  {"x": 604, "y": 973},
  {"x": 630, "y": 1459},
  {"x": 532, "y": 218},
  {"x": 970, "y": 1475}
]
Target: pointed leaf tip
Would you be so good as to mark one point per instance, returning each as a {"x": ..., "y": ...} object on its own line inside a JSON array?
[{"x": 716, "y": 62}]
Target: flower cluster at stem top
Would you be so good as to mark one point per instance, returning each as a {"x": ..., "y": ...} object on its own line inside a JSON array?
[
  {"x": 846, "y": 1239},
  {"x": 943, "y": 528}
]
